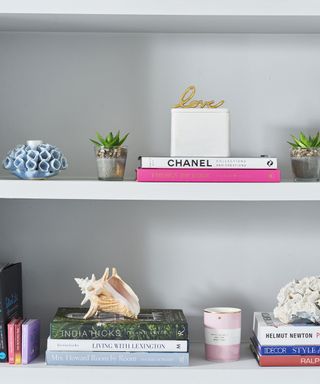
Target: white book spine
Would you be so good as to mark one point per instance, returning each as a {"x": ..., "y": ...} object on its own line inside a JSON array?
[
  {"x": 209, "y": 162},
  {"x": 285, "y": 335},
  {"x": 117, "y": 345}
]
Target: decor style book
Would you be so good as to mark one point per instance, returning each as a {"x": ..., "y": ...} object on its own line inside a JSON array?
[
  {"x": 209, "y": 175},
  {"x": 209, "y": 162}
]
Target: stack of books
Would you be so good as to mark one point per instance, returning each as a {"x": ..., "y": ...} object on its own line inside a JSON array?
[
  {"x": 23, "y": 340},
  {"x": 158, "y": 337},
  {"x": 277, "y": 344},
  {"x": 208, "y": 169}
]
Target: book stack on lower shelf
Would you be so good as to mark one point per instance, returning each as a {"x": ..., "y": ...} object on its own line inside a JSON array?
[
  {"x": 208, "y": 170},
  {"x": 157, "y": 338},
  {"x": 277, "y": 344}
]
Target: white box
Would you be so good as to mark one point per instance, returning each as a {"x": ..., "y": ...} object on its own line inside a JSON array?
[{"x": 201, "y": 132}]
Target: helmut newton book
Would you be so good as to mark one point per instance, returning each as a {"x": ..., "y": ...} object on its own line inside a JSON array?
[{"x": 270, "y": 331}]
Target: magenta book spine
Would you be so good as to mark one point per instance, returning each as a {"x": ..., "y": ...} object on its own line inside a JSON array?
[{"x": 209, "y": 176}]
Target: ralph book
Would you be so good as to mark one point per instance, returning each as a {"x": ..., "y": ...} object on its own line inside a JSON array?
[{"x": 152, "y": 324}]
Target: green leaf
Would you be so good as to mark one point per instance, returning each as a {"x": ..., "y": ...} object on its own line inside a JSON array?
[
  {"x": 109, "y": 138},
  {"x": 298, "y": 142},
  {"x": 101, "y": 139},
  {"x": 95, "y": 142},
  {"x": 123, "y": 139},
  {"x": 315, "y": 140},
  {"x": 117, "y": 138},
  {"x": 292, "y": 144},
  {"x": 304, "y": 140}
]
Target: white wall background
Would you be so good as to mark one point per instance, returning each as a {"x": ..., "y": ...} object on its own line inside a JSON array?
[{"x": 64, "y": 87}]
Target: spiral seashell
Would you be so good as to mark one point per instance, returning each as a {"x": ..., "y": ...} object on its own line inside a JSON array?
[{"x": 109, "y": 294}]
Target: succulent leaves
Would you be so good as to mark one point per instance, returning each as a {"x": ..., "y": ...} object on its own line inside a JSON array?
[
  {"x": 305, "y": 142},
  {"x": 110, "y": 141}
]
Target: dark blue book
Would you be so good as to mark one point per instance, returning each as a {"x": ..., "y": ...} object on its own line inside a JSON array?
[
  {"x": 10, "y": 301},
  {"x": 281, "y": 350}
]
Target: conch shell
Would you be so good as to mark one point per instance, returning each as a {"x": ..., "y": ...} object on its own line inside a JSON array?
[{"x": 109, "y": 294}]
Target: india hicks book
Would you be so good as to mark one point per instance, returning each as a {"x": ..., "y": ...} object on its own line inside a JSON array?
[{"x": 152, "y": 324}]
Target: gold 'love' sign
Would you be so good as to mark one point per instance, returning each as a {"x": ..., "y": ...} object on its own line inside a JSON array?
[{"x": 186, "y": 102}]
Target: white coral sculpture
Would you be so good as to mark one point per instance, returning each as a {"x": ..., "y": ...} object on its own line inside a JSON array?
[
  {"x": 299, "y": 299},
  {"x": 109, "y": 294}
]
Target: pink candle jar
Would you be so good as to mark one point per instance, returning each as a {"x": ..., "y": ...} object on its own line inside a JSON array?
[{"x": 222, "y": 328}]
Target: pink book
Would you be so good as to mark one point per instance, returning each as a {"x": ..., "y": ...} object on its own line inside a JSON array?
[
  {"x": 209, "y": 175},
  {"x": 18, "y": 341},
  {"x": 11, "y": 340}
]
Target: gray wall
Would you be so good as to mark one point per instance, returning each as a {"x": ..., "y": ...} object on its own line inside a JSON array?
[{"x": 64, "y": 87}]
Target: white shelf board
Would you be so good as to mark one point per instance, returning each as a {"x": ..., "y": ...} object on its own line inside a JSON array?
[
  {"x": 57, "y": 189},
  {"x": 244, "y": 371},
  {"x": 263, "y": 16}
]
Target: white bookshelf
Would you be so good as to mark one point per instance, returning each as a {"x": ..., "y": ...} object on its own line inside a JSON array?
[
  {"x": 166, "y": 16},
  {"x": 131, "y": 190},
  {"x": 56, "y": 85},
  {"x": 244, "y": 371}
]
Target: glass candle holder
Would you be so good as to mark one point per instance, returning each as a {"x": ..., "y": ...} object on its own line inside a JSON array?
[{"x": 222, "y": 326}]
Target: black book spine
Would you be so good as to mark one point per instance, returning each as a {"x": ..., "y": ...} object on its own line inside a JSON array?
[
  {"x": 10, "y": 303},
  {"x": 3, "y": 331}
]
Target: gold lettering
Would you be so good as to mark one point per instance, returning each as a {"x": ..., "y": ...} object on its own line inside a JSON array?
[{"x": 187, "y": 102}]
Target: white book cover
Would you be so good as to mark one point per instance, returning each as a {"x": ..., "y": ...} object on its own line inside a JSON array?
[
  {"x": 117, "y": 345},
  {"x": 209, "y": 162},
  {"x": 270, "y": 331}
]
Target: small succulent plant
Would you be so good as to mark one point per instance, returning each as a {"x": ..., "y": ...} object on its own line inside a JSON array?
[
  {"x": 305, "y": 142},
  {"x": 110, "y": 141},
  {"x": 305, "y": 147}
]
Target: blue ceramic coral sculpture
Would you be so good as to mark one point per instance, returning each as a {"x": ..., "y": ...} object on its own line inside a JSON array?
[{"x": 35, "y": 160}]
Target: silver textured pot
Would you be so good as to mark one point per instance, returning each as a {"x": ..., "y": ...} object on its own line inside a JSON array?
[
  {"x": 305, "y": 163},
  {"x": 111, "y": 162}
]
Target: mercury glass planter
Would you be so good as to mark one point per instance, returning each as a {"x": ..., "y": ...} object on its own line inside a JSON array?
[
  {"x": 111, "y": 162},
  {"x": 305, "y": 163}
]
